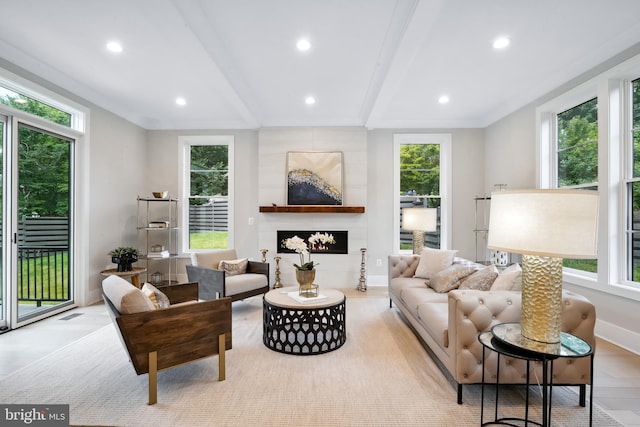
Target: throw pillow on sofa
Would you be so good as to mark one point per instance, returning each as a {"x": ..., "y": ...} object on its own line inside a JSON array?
[
  {"x": 481, "y": 279},
  {"x": 509, "y": 280},
  {"x": 433, "y": 261},
  {"x": 234, "y": 267},
  {"x": 449, "y": 278},
  {"x": 157, "y": 297}
]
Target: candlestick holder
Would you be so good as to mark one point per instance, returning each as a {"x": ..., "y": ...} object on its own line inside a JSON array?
[
  {"x": 362, "y": 283},
  {"x": 264, "y": 254},
  {"x": 277, "y": 284}
]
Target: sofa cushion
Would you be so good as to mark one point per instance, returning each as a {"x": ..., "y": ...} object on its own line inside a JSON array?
[
  {"x": 234, "y": 267},
  {"x": 243, "y": 283},
  {"x": 412, "y": 298},
  {"x": 212, "y": 259},
  {"x": 450, "y": 277},
  {"x": 125, "y": 297},
  {"x": 434, "y": 317},
  {"x": 433, "y": 261},
  {"x": 509, "y": 280},
  {"x": 157, "y": 297},
  {"x": 397, "y": 284},
  {"x": 481, "y": 279}
]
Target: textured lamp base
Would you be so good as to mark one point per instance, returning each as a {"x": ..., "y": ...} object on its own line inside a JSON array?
[
  {"x": 541, "y": 298},
  {"x": 418, "y": 242}
]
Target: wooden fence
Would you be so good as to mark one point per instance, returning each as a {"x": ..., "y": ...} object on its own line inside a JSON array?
[{"x": 213, "y": 216}]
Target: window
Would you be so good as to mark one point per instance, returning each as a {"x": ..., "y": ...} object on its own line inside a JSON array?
[
  {"x": 422, "y": 180},
  {"x": 21, "y": 95},
  {"x": 577, "y": 147},
  {"x": 633, "y": 189},
  {"x": 577, "y": 158},
  {"x": 207, "y": 182}
]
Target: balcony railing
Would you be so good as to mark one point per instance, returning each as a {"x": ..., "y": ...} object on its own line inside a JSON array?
[{"x": 43, "y": 275}]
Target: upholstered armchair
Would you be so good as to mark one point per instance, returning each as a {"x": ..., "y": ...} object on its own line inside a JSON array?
[
  {"x": 167, "y": 327},
  {"x": 221, "y": 274}
]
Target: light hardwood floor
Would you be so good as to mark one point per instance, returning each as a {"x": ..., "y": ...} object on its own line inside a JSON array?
[{"x": 617, "y": 371}]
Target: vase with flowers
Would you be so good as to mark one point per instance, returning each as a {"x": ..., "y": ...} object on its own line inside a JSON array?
[{"x": 306, "y": 270}]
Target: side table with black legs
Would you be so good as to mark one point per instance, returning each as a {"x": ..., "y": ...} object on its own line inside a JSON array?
[{"x": 506, "y": 340}]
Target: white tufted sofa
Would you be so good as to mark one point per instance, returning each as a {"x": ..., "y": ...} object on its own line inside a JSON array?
[{"x": 449, "y": 323}]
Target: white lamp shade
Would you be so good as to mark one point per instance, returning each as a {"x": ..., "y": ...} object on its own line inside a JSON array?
[
  {"x": 420, "y": 219},
  {"x": 550, "y": 223}
]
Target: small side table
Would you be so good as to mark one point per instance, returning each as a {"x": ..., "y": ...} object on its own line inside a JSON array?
[
  {"x": 134, "y": 274},
  {"x": 506, "y": 339}
]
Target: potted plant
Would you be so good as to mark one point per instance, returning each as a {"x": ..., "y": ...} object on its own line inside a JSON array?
[
  {"x": 124, "y": 256},
  {"x": 306, "y": 270}
]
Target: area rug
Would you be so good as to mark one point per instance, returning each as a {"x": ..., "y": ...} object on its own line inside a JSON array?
[{"x": 381, "y": 376}]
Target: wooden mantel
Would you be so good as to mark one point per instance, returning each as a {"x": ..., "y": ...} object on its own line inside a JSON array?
[{"x": 312, "y": 209}]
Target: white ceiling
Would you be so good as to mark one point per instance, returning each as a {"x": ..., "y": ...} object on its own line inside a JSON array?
[{"x": 373, "y": 63}]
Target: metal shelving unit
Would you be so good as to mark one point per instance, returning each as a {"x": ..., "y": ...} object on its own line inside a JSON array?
[
  {"x": 481, "y": 230},
  {"x": 157, "y": 225}
]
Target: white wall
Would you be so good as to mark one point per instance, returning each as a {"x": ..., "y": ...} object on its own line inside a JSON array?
[
  {"x": 334, "y": 270},
  {"x": 116, "y": 174},
  {"x": 162, "y": 173},
  {"x": 510, "y": 151}
]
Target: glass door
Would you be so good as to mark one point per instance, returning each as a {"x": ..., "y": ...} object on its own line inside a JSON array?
[
  {"x": 3, "y": 283},
  {"x": 42, "y": 225}
]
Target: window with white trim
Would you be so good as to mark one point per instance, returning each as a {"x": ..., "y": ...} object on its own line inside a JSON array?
[
  {"x": 422, "y": 179},
  {"x": 569, "y": 145},
  {"x": 632, "y": 183},
  {"x": 207, "y": 182}
]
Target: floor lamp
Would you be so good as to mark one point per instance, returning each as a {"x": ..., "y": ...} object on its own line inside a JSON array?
[
  {"x": 419, "y": 220},
  {"x": 544, "y": 226}
]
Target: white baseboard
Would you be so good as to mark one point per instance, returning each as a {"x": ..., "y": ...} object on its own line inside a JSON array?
[
  {"x": 629, "y": 340},
  {"x": 381, "y": 280}
]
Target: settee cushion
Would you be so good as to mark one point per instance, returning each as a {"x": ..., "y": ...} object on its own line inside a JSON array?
[
  {"x": 414, "y": 297},
  {"x": 212, "y": 259},
  {"x": 125, "y": 297},
  {"x": 244, "y": 283},
  {"x": 433, "y": 261},
  {"x": 434, "y": 317},
  {"x": 509, "y": 280},
  {"x": 481, "y": 279},
  {"x": 450, "y": 277},
  {"x": 157, "y": 297},
  {"x": 234, "y": 267}
]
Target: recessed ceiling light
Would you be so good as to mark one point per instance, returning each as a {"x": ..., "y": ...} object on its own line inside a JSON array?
[
  {"x": 310, "y": 100},
  {"x": 114, "y": 46},
  {"x": 303, "y": 45},
  {"x": 501, "y": 42},
  {"x": 444, "y": 99},
  {"x": 181, "y": 101}
]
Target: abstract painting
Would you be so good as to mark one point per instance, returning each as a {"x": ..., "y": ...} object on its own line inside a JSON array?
[{"x": 314, "y": 178}]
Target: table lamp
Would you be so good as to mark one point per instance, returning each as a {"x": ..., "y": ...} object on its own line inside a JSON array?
[
  {"x": 544, "y": 226},
  {"x": 419, "y": 220}
]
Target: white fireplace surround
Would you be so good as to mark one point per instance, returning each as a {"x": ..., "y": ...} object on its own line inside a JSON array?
[{"x": 334, "y": 270}]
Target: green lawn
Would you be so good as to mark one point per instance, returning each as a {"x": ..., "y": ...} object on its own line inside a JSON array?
[
  {"x": 590, "y": 265},
  {"x": 45, "y": 278},
  {"x": 209, "y": 240}
]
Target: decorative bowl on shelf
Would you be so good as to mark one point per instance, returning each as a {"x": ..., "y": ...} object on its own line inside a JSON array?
[{"x": 160, "y": 194}]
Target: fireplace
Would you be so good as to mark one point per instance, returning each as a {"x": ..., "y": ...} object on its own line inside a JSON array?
[{"x": 341, "y": 245}]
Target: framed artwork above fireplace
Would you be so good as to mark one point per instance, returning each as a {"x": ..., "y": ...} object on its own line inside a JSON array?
[{"x": 314, "y": 178}]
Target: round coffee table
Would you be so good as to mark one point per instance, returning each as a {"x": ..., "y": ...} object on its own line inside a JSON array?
[{"x": 303, "y": 328}]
